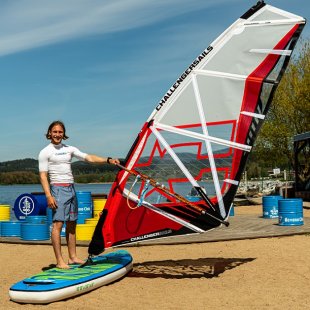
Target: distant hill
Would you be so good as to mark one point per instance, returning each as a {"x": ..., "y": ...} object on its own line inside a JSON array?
[
  {"x": 28, "y": 164},
  {"x": 31, "y": 165},
  {"x": 26, "y": 171}
]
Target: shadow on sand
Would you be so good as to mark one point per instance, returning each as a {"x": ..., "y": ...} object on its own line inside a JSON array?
[
  {"x": 186, "y": 268},
  {"x": 48, "y": 267}
]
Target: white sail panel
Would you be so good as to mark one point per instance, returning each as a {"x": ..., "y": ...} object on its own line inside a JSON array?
[
  {"x": 271, "y": 13},
  {"x": 227, "y": 93},
  {"x": 236, "y": 57},
  {"x": 183, "y": 111},
  {"x": 216, "y": 90}
]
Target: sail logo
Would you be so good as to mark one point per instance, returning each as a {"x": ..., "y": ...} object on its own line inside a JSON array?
[
  {"x": 183, "y": 76},
  {"x": 153, "y": 235},
  {"x": 26, "y": 205}
]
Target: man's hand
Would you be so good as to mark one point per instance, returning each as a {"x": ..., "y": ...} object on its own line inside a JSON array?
[
  {"x": 51, "y": 202},
  {"x": 114, "y": 161}
]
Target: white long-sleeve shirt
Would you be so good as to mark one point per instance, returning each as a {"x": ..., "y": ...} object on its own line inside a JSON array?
[{"x": 56, "y": 160}]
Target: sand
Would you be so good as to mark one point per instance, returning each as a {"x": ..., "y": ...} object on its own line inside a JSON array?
[{"x": 268, "y": 273}]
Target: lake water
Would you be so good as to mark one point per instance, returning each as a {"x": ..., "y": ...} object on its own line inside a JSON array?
[{"x": 9, "y": 193}]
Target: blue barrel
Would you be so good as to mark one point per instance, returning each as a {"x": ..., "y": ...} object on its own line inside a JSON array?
[
  {"x": 83, "y": 197},
  {"x": 41, "y": 200},
  {"x": 291, "y": 212},
  {"x": 49, "y": 215},
  {"x": 193, "y": 198},
  {"x": 270, "y": 206},
  {"x": 10, "y": 229},
  {"x": 28, "y": 204},
  {"x": 34, "y": 231},
  {"x": 85, "y": 207},
  {"x": 232, "y": 210},
  {"x": 37, "y": 219}
]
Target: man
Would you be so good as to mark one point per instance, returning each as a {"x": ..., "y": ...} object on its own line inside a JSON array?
[{"x": 55, "y": 165}]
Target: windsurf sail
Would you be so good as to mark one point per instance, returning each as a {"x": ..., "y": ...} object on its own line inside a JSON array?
[{"x": 201, "y": 132}]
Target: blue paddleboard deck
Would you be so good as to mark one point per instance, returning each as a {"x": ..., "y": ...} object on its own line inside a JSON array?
[{"x": 57, "y": 284}]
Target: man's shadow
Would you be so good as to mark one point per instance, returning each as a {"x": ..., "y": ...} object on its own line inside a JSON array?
[{"x": 186, "y": 268}]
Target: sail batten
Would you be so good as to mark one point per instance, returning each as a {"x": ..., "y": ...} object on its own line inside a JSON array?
[
  {"x": 234, "y": 182},
  {"x": 205, "y": 137},
  {"x": 271, "y": 51},
  {"x": 273, "y": 23},
  {"x": 197, "y": 140},
  {"x": 221, "y": 74},
  {"x": 240, "y": 77},
  {"x": 209, "y": 147},
  {"x": 251, "y": 114}
]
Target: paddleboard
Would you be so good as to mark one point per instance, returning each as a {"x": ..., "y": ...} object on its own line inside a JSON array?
[{"x": 57, "y": 284}]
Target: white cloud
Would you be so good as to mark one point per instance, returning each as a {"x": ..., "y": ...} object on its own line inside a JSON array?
[{"x": 27, "y": 24}]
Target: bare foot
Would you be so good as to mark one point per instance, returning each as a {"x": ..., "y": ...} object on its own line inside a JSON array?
[
  {"x": 75, "y": 261},
  {"x": 63, "y": 266}
]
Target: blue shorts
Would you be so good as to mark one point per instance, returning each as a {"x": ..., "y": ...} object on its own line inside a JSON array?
[{"x": 67, "y": 207}]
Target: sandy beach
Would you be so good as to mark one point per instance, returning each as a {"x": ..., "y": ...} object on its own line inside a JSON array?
[{"x": 266, "y": 273}]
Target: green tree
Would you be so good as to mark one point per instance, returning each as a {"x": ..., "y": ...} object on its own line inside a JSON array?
[{"x": 18, "y": 177}]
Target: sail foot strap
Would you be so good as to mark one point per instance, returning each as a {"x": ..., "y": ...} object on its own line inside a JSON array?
[{"x": 88, "y": 262}]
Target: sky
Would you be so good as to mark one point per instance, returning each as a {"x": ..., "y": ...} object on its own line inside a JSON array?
[{"x": 100, "y": 66}]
